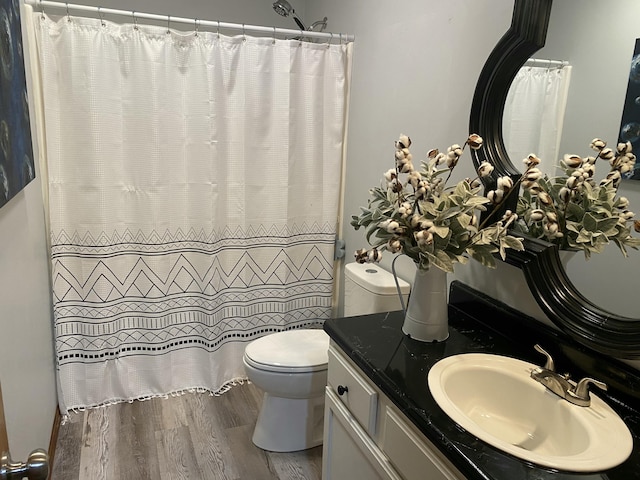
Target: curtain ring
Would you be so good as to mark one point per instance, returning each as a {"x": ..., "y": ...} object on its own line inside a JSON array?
[
  {"x": 340, "y": 38},
  {"x": 218, "y": 30},
  {"x": 68, "y": 16},
  {"x": 41, "y": 10},
  {"x": 168, "y": 24},
  {"x": 330, "y": 40},
  {"x": 135, "y": 20},
  {"x": 300, "y": 39},
  {"x": 101, "y": 17},
  {"x": 244, "y": 34},
  {"x": 274, "y": 36},
  {"x": 196, "y": 26}
]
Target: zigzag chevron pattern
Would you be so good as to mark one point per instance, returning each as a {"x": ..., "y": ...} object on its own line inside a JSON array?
[{"x": 146, "y": 294}]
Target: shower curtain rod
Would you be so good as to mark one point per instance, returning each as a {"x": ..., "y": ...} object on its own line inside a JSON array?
[
  {"x": 539, "y": 62},
  {"x": 42, "y": 5}
]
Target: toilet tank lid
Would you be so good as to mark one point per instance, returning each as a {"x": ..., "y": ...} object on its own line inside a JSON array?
[{"x": 374, "y": 278}]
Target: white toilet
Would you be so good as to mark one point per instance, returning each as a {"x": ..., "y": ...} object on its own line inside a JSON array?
[{"x": 291, "y": 366}]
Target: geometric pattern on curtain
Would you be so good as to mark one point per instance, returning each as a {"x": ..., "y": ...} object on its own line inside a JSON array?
[
  {"x": 193, "y": 199},
  {"x": 134, "y": 308}
]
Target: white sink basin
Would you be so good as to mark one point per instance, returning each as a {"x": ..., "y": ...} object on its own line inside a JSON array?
[{"x": 494, "y": 398}]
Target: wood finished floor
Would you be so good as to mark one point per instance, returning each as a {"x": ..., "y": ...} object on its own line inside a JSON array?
[{"x": 193, "y": 436}]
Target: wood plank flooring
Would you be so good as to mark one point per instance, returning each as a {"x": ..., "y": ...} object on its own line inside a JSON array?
[{"x": 192, "y": 436}]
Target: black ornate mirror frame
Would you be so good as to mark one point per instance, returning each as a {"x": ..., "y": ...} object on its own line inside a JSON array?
[{"x": 588, "y": 324}]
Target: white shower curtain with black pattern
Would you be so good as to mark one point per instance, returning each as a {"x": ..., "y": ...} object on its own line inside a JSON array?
[{"x": 193, "y": 191}]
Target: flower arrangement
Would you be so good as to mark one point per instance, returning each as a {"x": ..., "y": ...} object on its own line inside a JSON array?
[
  {"x": 574, "y": 212},
  {"x": 416, "y": 214}
]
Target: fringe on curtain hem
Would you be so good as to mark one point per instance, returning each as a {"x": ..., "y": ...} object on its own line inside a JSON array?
[{"x": 228, "y": 385}]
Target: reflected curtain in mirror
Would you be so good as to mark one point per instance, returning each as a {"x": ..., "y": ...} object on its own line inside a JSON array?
[{"x": 534, "y": 113}]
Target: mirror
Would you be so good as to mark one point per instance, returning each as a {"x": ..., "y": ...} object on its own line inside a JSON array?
[
  {"x": 593, "y": 105},
  {"x": 562, "y": 302}
]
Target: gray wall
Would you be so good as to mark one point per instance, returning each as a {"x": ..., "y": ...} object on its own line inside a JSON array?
[{"x": 415, "y": 67}]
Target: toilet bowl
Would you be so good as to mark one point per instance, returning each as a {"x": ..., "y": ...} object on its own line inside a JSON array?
[{"x": 291, "y": 368}]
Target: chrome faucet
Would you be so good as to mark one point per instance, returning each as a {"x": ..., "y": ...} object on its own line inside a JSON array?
[{"x": 561, "y": 385}]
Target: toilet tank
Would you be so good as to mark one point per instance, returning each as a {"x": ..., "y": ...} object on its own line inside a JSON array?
[{"x": 368, "y": 288}]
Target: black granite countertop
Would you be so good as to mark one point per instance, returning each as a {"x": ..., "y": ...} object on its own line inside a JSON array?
[{"x": 399, "y": 366}]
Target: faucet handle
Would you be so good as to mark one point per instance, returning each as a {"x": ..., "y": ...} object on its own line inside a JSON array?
[
  {"x": 582, "y": 388},
  {"x": 549, "y": 365}
]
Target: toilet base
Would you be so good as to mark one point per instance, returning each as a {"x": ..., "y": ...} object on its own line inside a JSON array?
[{"x": 289, "y": 424}]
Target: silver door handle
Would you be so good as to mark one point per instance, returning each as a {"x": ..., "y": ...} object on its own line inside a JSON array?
[{"x": 36, "y": 468}]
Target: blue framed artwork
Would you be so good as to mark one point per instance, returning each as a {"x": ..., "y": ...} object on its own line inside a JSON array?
[
  {"x": 630, "y": 124},
  {"x": 16, "y": 151}
]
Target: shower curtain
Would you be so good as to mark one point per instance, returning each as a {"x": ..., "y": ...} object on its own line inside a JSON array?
[
  {"x": 534, "y": 114},
  {"x": 193, "y": 191}
]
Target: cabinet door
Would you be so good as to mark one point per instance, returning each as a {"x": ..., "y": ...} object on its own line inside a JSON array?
[{"x": 348, "y": 452}]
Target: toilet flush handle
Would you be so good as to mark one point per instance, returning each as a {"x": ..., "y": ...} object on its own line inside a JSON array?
[{"x": 342, "y": 390}]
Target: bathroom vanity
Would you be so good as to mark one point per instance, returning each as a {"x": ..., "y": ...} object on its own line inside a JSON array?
[{"x": 381, "y": 420}]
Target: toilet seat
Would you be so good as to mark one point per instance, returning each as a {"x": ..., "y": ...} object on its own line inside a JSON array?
[{"x": 292, "y": 351}]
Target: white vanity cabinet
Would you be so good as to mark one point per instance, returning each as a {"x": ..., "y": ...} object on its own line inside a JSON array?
[{"x": 367, "y": 437}]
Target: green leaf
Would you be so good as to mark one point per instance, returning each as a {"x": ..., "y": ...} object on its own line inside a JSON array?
[
  {"x": 483, "y": 255},
  {"x": 430, "y": 208},
  {"x": 441, "y": 260},
  {"x": 513, "y": 243},
  {"x": 441, "y": 231},
  {"x": 475, "y": 202},
  {"x": 590, "y": 223},
  {"x": 607, "y": 224}
]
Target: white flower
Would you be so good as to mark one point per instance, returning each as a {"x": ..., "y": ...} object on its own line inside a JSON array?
[
  {"x": 495, "y": 196},
  {"x": 394, "y": 245},
  {"x": 531, "y": 161},
  {"x": 485, "y": 169},
  {"x": 455, "y": 149},
  {"x": 597, "y": 144},
  {"x": 545, "y": 198},
  {"x": 552, "y": 230},
  {"x": 614, "y": 177},
  {"x": 627, "y": 215},
  {"x": 509, "y": 217},
  {"x": 536, "y": 215},
  {"x": 414, "y": 179},
  {"x": 505, "y": 184},
  {"x": 390, "y": 226},
  {"x": 623, "y": 148},
  {"x": 564, "y": 193},
  {"x": 405, "y": 210},
  {"x": 572, "y": 161},
  {"x": 368, "y": 256},
  {"x": 390, "y": 174},
  {"x": 423, "y": 237},
  {"x": 475, "y": 141},
  {"x": 403, "y": 142},
  {"x": 475, "y": 183},
  {"x": 440, "y": 158},
  {"x": 572, "y": 182},
  {"x": 532, "y": 174},
  {"x": 607, "y": 154},
  {"x": 622, "y": 203}
]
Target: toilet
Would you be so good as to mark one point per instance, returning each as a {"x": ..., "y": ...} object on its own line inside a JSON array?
[{"x": 291, "y": 366}]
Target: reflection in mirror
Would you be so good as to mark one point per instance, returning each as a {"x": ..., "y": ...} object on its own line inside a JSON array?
[
  {"x": 591, "y": 325},
  {"x": 553, "y": 109}
]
